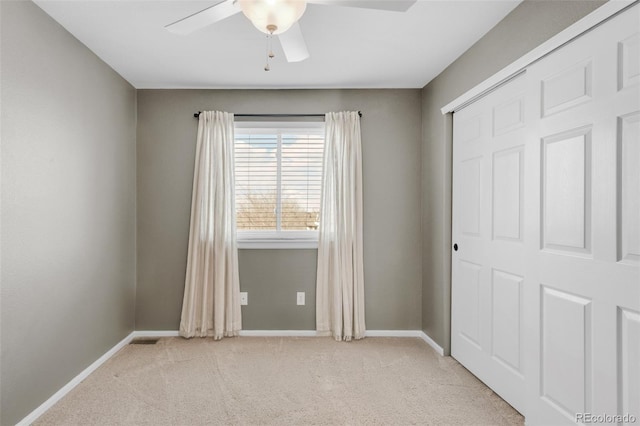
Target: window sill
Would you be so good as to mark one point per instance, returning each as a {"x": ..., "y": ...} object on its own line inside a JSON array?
[{"x": 277, "y": 244}]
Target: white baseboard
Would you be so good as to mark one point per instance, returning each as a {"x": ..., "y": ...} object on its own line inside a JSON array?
[
  {"x": 249, "y": 333},
  {"x": 155, "y": 333},
  {"x": 254, "y": 333},
  {"x": 392, "y": 333},
  {"x": 407, "y": 333},
  {"x": 33, "y": 416},
  {"x": 314, "y": 333},
  {"x": 431, "y": 343},
  {"x": 279, "y": 333}
]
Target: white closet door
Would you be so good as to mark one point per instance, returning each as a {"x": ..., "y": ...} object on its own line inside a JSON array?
[
  {"x": 582, "y": 228},
  {"x": 546, "y": 218},
  {"x": 488, "y": 264}
]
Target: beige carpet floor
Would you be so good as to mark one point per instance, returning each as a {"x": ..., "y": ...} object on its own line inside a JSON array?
[{"x": 281, "y": 381}]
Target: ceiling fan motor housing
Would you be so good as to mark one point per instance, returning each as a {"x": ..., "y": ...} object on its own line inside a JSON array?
[{"x": 273, "y": 16}]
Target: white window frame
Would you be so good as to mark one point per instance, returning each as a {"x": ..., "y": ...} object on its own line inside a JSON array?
[{"x": 277, "y": 239}]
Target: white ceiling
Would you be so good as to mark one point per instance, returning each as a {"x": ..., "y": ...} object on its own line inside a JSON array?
[{"x": 350, "y": 47}]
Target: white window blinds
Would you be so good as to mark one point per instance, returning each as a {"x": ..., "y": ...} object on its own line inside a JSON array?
[{"x": 278, "y": 177}]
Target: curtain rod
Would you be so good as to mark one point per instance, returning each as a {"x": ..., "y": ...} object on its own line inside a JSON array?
[{"x": 197, "y": 114}]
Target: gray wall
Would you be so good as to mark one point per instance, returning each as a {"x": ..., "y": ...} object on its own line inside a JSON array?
[
  {"x": 391, "y": 173},
  {"x": 526, "y": 27},
  {"x": 68, "y": 208}
]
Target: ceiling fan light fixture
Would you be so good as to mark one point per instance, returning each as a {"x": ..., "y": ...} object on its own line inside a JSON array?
[{"x": 267, "y": 14}]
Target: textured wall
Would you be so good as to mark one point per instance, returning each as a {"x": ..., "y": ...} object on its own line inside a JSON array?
[
  {"x": 526, "y": 27},
  {"x": 391, "y": 171},
  {"x": 67, "y": 210}
]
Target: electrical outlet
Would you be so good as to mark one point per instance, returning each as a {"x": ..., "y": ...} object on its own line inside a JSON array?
[
  {"x": 300, "y": 300},
  {"x": 244, "y": 298}
]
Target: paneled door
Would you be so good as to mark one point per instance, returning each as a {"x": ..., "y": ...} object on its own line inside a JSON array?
[
  {"x": 488, "y": 271},
  {"x": 546, "y": 232},
  {"x": 582, "y": 228}
]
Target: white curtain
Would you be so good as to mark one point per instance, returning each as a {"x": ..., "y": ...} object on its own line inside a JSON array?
[
  {"x": 211, "y": 304},
  {"x": 340, "y": 277}
]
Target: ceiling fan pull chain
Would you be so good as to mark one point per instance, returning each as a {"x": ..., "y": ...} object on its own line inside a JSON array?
[
  {"x": 267, "y": 67},
  {"x": 270, "y": 54},
  {"x": 272, "y": 28}
]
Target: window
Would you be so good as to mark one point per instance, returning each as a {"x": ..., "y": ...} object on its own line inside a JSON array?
[{"x": 278, "y": 179}]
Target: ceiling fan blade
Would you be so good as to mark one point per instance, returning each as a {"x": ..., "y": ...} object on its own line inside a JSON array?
[
  {"x": 391, "y": 5},
  {"x": 293, "y": 44},
  {"x": 204, "y": 18}
]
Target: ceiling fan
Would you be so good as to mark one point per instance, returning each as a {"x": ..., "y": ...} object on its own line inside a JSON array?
[{"x": 276, "y": 17}]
